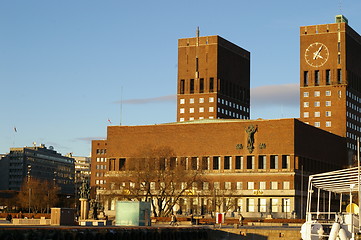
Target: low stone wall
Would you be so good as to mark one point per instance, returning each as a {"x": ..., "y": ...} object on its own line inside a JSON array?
[{"x": 24, "y": 221}]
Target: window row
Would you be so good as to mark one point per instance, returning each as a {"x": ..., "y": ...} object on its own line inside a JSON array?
[
  {"x": 322, "y": 77},
  {"x": 101, "y": 181},
  {"x": 192, "y": 118},
  {"x": 263, "y": 185},
  {"x": 209, "y": 163},
  {"x": 101, "y": 167},
  {"x": 233, "y": 105},
  {"x": 101, "y": 159},
  {"x": 353, "y": 126},
  {"x": 101, "y": 151},
  {"x": 317, "y": 114},
  {"x": 317, "y": 93},
  {"x": 231, "y": 114},
  {"x": 260, "y": 205},
  {"x": 318, "y": 124},
  {"x": 353, "y": 96},
  {"x": 197, "y": 85},
  {"x": 192, "y": 100},
  {"x": 317, "y": 104},
  {"x": 353, "y": 106},
  {"x": 200, "y": 110}
]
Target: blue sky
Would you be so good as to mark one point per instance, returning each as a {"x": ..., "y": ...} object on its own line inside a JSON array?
[{"x": 66, "y": 65}]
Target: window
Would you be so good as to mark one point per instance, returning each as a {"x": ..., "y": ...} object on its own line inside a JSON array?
[
  {"x": 328, "y": 123},
  {"x": 182, "y": 101},
  {"x": 328, "y": 93},
  {"x": 317, "y": 103},
  {"x": 205, "y": 185},
  {"x": 211, "y": 109},
  {"x": 274, "y": 185},
  {"x": 194, "y": 163},
  {"x": 328, "y": 113},
  {"x": 274, "y": 162},
  {"x": 305, "y": 104},
  {"x": 274, "y": 205},
  {"x": 262, "y": 185},
  {"x": 201, "y": 109},
  {"x": 261, "y": 162},
  {"x": 216, "y": 185},
  {"x": 317, "y": 93},
  {"x": 250, "y": 162},
  {"x": 204, "y": 163},
  {"x": 191, "y": 118},
  {"x": 317, "y": 114},
  {"x": 201, "y": 100},
  {"x": 305, "y": 94},
  {"x": 191, "y": 100},
  {"x": 211, "y": 99},
  {"x": 286, "y": 205},
  {"x": 305, "y": 78},
  {"x": 239, "y": 162},
  {"x": 121, "y": 164},
  {"x": 181, "y": 90},
  {"x": 227, "y": 186},
  {"x": 305, "y": 114},
  {"x": 328, "y": 77},
  {"x": 191, "y": 86},
  {"x": 328, "y": 103},
  {"x": 286, "y": 185},
  {"x": 317, "y": 124},
  {"x": 152, "y": 185},
  {"x": 191, "y": 110},
  {"x": 201, "y": 85},
  {"x": 227, "y": 162},
  {"x": 181, "y": 119},
  {"x": 250, "y": 205},
  {"x": 181, "y": 110},
  {"x": 285, "y": 161},
  {"x": 239, "y": 185},
  {"x": 262, "y": 205},
  {"x": 250, "y": 185},
  {"x": 317, "y": 78},
  {"x": 215, "y": 163},
  {"x": 211, "y": 84},
  {"x": 339, "y": 76}
]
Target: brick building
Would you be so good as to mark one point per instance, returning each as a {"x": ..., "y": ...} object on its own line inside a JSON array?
[{"x": 260, "y": 166}]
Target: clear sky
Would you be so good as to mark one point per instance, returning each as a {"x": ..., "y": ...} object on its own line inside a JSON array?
[{"x": 66, "y": 64}]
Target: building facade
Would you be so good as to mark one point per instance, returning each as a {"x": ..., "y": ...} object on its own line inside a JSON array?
[
  {"x": 41, "y": 163},
  {"x": 213, "y": 79},
  {"x": 330, "y": 79},
  {"x": 258, "y": 168},
  {"x": 82, "y": 171}
]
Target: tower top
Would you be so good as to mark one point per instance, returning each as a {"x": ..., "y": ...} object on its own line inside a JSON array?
[{"x": 341, "y": 19}]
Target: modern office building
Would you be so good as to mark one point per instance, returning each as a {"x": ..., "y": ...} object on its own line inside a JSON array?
[
  {"x": 41, "y": 163},
  {"x": 260, "y": 166},
  {"x": 330, "y": 81},
  {"x": 213, "y": 79}
]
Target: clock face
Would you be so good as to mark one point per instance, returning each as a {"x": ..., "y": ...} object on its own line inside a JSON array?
[{"x": 316, "y": 54}]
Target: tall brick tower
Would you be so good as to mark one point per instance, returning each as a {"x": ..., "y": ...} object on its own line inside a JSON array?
[
  {"x": 330, "y": 79},
  {"x": 213, "y": 79}
]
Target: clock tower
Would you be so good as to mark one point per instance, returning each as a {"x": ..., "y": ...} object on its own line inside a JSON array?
[{"x": 330, "y": 79}]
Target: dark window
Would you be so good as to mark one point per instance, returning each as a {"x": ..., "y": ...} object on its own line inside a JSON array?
[
  {"x": 285, "y": 161},
  {"x": 305, "y": 78},
  {"x": 339, "y": 76},
  {"x": 121, "y": 164},
  {"x": 317, "y": 78},
  {"x": 181, "y": 90},
  {"x": 204, "y": 163},
  {"x": 194, "y": 163},
  {"x": 201, "y": 85},
  {"x": 227, "y": 162},
  {"x": 261, "y": 162},
  {"x": 328, "y": 77},
  {"x": 211, "y": 84},
  {"x": 182, "y": 163},
  {"x": 172, "y": 163},
  {"x": 250, "y": 162},
  {"x": 191, "y": 86},
  {"x": 239, "y": 162},
  {"x": 339, "y": 59},
  {"x": 162, "y": 164},
  {"x": 215, "y": 162},
  {"x": 274, "y": 162},
  {"x": 339, "y": 46}
]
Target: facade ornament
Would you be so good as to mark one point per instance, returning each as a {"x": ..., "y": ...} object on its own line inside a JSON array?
[
  {"x": 251, "y": 130},
  {"x": 262, "y": 146},
  {"x": 84, "y": 190},
  {"x": 239, "y": 146}
]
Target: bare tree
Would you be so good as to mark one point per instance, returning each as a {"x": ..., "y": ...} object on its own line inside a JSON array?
[
  {"x": 155, "y": 175},
  {"x": 39, "y": 194}
]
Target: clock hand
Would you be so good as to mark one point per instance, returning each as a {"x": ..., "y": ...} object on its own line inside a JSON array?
[{"x": 317, "y": 53}]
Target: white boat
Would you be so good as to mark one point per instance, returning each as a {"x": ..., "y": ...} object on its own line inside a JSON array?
[{"x": 326, "y": 216}]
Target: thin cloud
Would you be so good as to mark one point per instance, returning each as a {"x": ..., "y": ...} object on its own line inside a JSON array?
[
  {"x": 287, "y": 95},
  {"x": 162, "y": 99}
]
